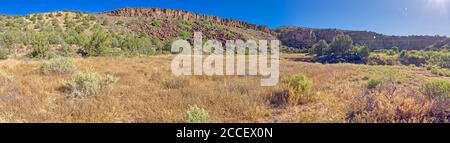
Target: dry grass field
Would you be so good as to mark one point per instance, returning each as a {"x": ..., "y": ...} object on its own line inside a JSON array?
[{"x": 146, "y": 91}]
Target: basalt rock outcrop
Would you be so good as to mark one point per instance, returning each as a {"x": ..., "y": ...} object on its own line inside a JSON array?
[
  {"x": 306, "y": 37},
  {"x": 160, "y": 13}
]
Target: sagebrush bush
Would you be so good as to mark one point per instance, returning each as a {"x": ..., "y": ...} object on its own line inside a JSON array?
[
  {"x": 436, "y": 88},
  {"x": 58, "y": 66},
  {"x": 374, "y": 83},
  {"x": 299, "y": 87},
  {"x": 3, "y": 53},
  {"x": 382, "y": 59},
  {"x": 439, "y": 71},
  {"x": 88, "y": 84},
  {"x": 197, "y": 115}
]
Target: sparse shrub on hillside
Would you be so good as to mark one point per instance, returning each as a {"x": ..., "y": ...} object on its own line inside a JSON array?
[
  {"x": 4, "y": 53},
  {"x": 58, "y": 66},
  {"x": 92, "y": 17},
  {"x": 59, "y": 14},
  {"x": 436, "y": 88},
  {"x": 69, "y": 23},
  {"x": 78, "y": 15},
  {"x": 185, "y": 34},
  {"x": 40, "y": 45},
  {"x": 197, "y": 115},
  {"x": 138, "y": 45},
  {"x": 54, "y": 38},
  {"x": 120, "y": 22},
  {"x": 320, "y": 48},
  {"x": 66, "y": 51},
  {"x": 74, "y": 38},
  {"x": 155, "y": 23},
  {"x": 10, "y": 38},
  {"x": 55, "y": 22},
  {"x": 185, "y": 25},
  {"x": 106, "y": 22},
  {"x": 207, "y": 24},
  {"x": 40, "y": 17},
  {"x": 88, "y": 84},
  {"x": 299, "y": 87},
  {"x": 99, "y": 42}
]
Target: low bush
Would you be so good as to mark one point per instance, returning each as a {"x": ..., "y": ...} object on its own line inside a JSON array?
[
  {"x": 439, "y": 71},
  {"x": 88, "y": 84},
  {"x": 374, "y": 83},
  {"x": 3, "y": 54},
  {"x": 436, "y": 88},
  {"x": 197, "y": 115},
  {"x": 299, "y": 87},
  {"x": 382, "y": 59},
  {"x": 58, "y": 66}
]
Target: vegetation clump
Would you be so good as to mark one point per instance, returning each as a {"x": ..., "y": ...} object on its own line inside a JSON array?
[
  {"x": 58, "y": 66},
  {"x": 299, "y": 87},
  {"x": 88, "y": 84},
  {"x": 197, "y": 115},
  {"x": 436, "y": 88}
]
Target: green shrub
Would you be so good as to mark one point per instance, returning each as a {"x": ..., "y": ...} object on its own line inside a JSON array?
[
  {"x": 40, "y": 44},
  {"x": 155, "y": 23},
  {"x": 439, "y": 71},
  {"x": 362, "y": 51},
  {"x": 185, "y": 34},
  {"x": 436, "y": 88},
  {"x": 88, "y": 84},
  {"x": 374, "y": 83},
  {"x": 299, "y": 87},
  {"x": 58, "y": 66},
  {"x": 197, "y": 115},
  {"x": 99, "y": 43},
  {"x": 436, "y": 58},
  {"x": 66, "y": 51},
  {"x": 382, "y": 59},
  {"x": 4, "y": 53},
  {"x": 120, "y": 22},
  {"x": 341, "y": 44},
  {"x": 92, "y": 17},
  {"x": 320, "y": 48}
]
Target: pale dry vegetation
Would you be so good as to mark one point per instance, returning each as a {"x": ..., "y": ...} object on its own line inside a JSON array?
[{"x": 145, "y": 91}]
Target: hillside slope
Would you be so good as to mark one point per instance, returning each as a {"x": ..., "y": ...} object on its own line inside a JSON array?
[{"x": 127, "y": 30}]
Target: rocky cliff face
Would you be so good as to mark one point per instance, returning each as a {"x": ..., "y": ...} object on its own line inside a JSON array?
[
  {"x": 183, "y": 15},
  {"x": 306, "y": 37}
]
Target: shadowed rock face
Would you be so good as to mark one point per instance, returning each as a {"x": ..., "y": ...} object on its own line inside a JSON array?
[
  {"x": 306, "y": 37},
  {"x": 184, "y": 15}
]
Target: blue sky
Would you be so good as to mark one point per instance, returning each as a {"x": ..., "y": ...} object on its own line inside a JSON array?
[{"x": 392, "y": 17}]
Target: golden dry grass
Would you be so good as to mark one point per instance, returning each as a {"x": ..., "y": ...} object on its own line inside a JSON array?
[{"x": 148, "y": 92}]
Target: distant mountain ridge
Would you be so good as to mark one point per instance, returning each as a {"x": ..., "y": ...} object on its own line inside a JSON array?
[
  {"x": 183, "y": 15},
  {"x": 299, "y": 37}
]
